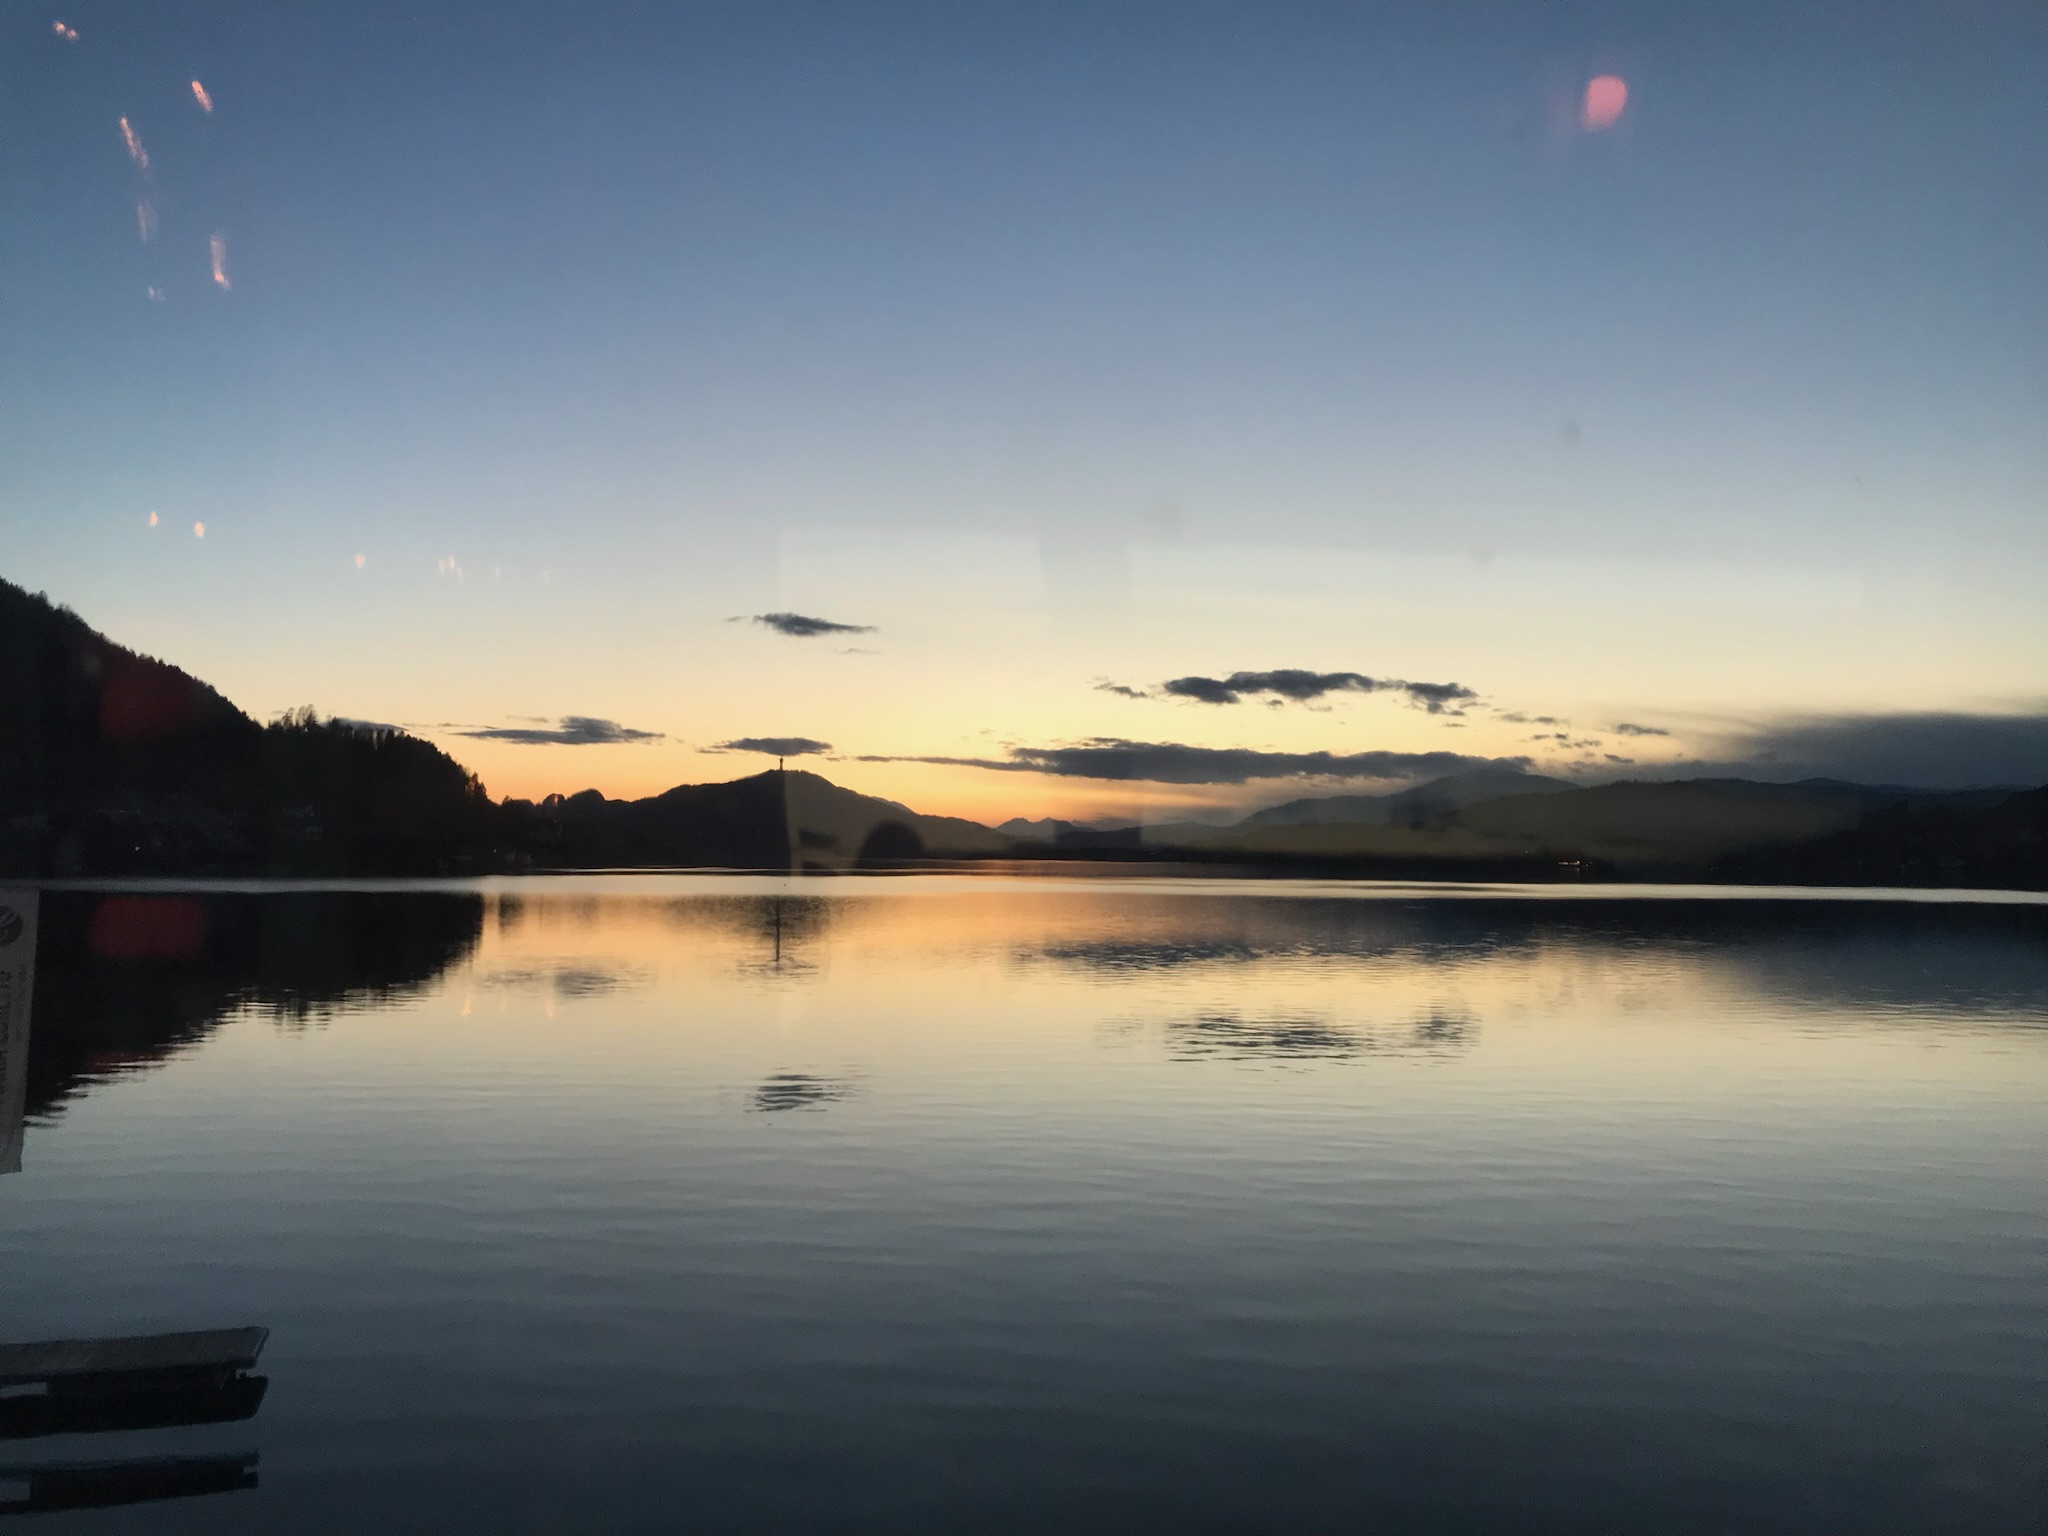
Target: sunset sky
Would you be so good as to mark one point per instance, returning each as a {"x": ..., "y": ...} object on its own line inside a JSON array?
[{"x": 1673, "y": 381}]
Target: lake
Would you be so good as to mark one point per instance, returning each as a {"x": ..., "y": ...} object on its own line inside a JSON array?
[{"x": 645, "y": 1203}]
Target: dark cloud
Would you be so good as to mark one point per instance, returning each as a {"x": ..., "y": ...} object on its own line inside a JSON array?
[
  {"x": 1122, "y": 691},
  {"x": 774, "y": 746},
  {"x": 570, "y": 731},
  {"x": 1626, "y": 728},
  {"x": 1436, "y": 697},
  {"x": 1300, "y": 686},
  {"x": 1516, "y": 717},
  {"x": 1928, "y": 750},
  {"x": 802, "y": 626},
  {"x": 1104, "y": 757}
]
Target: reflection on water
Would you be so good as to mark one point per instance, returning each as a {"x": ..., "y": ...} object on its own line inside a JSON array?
[
  {"x": 568, "y": 981},
  {"x": 929, "y": 1204},
  {"x": 127, "y": 982},
  {"x": 800, "y": 1090},
  {"x": 1238, "y": 1037},
  {"x": 121, "y": 1386},
  {"x": 46, "y": 1489}
]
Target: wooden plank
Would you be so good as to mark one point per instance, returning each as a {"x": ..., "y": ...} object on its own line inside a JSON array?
[{"x": 54, "y": 1360}]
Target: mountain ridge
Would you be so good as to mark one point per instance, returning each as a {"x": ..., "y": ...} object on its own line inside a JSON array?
[{"x": 118, "y": 763}]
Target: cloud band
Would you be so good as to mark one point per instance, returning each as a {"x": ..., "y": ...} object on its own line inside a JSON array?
[
  {"x": 571, "y": 731},
  {"x": 1105, "y": 757}
]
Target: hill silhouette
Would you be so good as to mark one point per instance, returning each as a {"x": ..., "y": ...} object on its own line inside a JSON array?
[
  {"x": 117, "y": 763},
  {"x": 1408, "y": 806},
  {"x": 1914, "y": 843},
  {"x": 775, "y": 820},
  {"x": 1817, "y": 831}
]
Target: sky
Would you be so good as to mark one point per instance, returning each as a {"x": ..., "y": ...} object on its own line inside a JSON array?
[{"x": 1613, "y": 390}]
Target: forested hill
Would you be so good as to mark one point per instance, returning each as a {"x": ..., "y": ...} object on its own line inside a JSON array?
[{"x": 116, "y": 763}]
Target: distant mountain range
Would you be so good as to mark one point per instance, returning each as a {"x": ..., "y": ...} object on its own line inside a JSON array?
[
  {"x": 115, "y": 763},
  {"x": 1683, "y": 829},
  {"x": 1407, "y": 807}
]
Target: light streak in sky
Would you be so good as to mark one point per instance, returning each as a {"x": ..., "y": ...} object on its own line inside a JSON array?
[
  {"x": 199, "y": 530},
  {"x": 1606, "y": 95},
  {"x": 199, "y": 95},
  {"x": 145, "y": 220},
  {"x": 219, "y": 246},
  {"x": 152, "y": 519},
  {"x": 135, "y": 150},
  {"x": 69, "y": 34}
]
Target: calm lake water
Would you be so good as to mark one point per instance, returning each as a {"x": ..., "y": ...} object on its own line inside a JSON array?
[{"x": 652, "y": 1204}]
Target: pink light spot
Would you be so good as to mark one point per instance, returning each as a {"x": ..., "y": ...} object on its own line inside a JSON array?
[{"x": 1606, "y": 95}]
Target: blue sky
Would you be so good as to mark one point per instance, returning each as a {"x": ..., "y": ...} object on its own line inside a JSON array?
[{"x": 1059, "y": 344}]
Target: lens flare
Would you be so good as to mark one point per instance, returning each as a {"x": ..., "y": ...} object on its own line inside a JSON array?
[
  {"x": 147, "y": 928},
  {"x": 1606, "y": 95},
  {"x": 199, "y": 95},
  {"x": 134, "y": 145},
  {"x": 219, "y": 247}
]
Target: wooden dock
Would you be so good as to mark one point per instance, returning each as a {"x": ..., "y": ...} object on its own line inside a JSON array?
[
  {"x": 97, "y": 1365},
  {"x": 158, "y": 1381}
]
